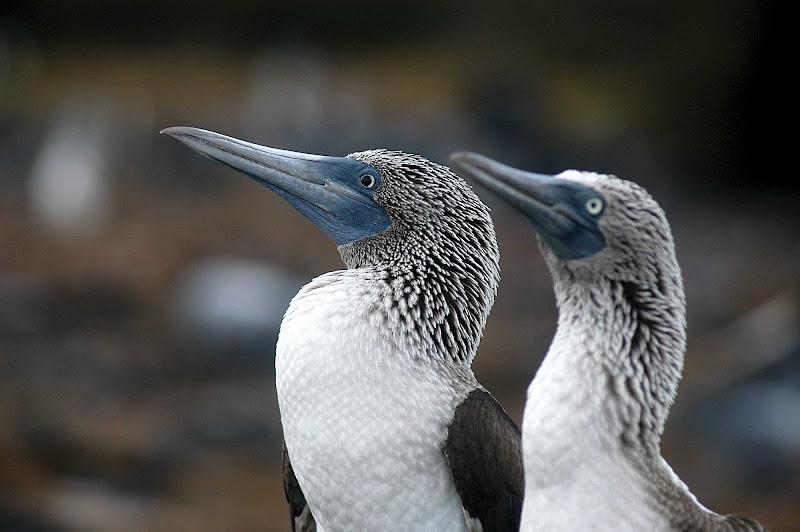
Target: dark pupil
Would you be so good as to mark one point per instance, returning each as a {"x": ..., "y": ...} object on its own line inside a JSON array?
[{"x": 367, "y": 180}]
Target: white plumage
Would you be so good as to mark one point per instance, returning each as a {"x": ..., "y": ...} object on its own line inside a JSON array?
[{"x": 356, "y": 408}]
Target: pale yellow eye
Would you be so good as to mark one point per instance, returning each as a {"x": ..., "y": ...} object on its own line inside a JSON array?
[
  {"x": 368, "y": 180},
  {"x": 594, "y": 206}
]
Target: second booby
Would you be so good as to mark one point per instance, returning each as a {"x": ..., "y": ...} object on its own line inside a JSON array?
[
  {"x": 385, "y": 425},
  {"x": 596, "y": 408}
]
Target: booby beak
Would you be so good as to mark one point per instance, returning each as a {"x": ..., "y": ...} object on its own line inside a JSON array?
[
  {"x": 336, "y": 193},
  {"x": 563, "y": 212}
]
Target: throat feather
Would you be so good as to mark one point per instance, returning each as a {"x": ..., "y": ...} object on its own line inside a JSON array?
[
  {"x": 431, "y": 304},
  {"x": 438, "y": 285},
  {"x": 636, "y": 340}
]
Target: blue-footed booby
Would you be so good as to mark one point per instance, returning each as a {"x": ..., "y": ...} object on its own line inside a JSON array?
[
  {"x": 385, "y": 425},
  {"x": 596, "y": 407}
]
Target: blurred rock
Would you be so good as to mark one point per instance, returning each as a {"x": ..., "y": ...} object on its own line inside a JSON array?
[
  {"x": 227, "y": 307},
  {"x": 734, "y": 426},
  {"x": 743, "y": 349},
  {"x": 15, "y": 520},
  {"x": 236, "y": 418},
  {"x": 90, "y": 506},
  {"x": 755, "y": 425},
  {"x": 26, "y": 298}
]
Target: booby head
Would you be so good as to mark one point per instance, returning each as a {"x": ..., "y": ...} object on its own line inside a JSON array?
[
  {"x": 414, "y": 220},
  {"x": 592, "y": 225}
]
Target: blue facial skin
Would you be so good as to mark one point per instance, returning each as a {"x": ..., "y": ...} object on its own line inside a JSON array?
[
  {"x": 563, "y": 223},
  {"x": 556, "y": 208},
  {"x": 343, "y": 207},
  {"x": 336, "y": 193}
]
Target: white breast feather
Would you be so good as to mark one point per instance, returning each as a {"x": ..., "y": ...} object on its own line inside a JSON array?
[
  {"x": 577, "y": 477},
  {"x": 364, "y": 424}
]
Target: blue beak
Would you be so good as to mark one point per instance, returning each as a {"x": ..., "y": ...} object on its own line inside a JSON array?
[{"x": 336, "y": 193}]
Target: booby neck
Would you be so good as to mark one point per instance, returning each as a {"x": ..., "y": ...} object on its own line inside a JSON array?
[
  {"x": 438, "y": 260},
  {"x": 634, "y": 332},
  {"x": 616, "y": 358}
]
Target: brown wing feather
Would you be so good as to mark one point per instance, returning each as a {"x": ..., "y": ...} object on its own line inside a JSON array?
[{"x": 484, "y": 451}]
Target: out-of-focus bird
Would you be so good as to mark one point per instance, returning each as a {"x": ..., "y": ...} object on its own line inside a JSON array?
[
  {"x": 385, "y": 425},
  {"x": 596, "y": 408},
  {"x": 69, "y": 190}
]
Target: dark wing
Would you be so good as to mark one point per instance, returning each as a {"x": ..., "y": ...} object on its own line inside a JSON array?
[
  {"x": 484, "y": 451},
  {"x": 300, "y": 516}
]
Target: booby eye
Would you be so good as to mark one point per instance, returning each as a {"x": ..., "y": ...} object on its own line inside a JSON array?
[
  {"x": 368, "y": 180},
  {"x": 594, "y": 206}
]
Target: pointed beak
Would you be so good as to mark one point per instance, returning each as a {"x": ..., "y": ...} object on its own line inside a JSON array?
[
  {"x": 525, "y": 191},
  {"x": 554, "y": 206},
  {"x": 324, "y": 189}
]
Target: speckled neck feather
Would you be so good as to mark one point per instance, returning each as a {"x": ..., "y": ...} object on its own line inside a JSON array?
[
  {"x": 439, "y": 256},
  {"x": 636, "y": 333},
  {"x": 627, "y": 306}
]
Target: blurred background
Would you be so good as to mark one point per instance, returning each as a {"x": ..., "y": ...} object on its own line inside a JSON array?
[{"x": 141, "y": 287}]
